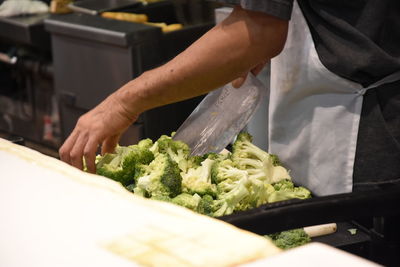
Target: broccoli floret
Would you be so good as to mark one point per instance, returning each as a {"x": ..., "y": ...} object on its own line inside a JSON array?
[
  {"x": 188, "y": 201},
  {"x": 195, "y": 161},
  {"x": 226, "y": 175},
  {"x": 258, "y": 163},
  {"x": 131, "y": 187},
  {"x": 198, "y": 180},
  {"x": 215, "y": 156},
  {"x": 229, "y": 197},
  {"x": 140, "y": 192},
  {"x": 259, "y": 194},
  {"x": 160, "y": 178},
  {"x": 177, "y": 150},
  {"x": 145, "y": 143},
  {"x": 284, "y": 185},
  {"x": 206, "y": 205},
  {"x": 113, "y": 169},
  {"x": 225, "y": 169},
  {"x": 275, "y": 160},
  {"x": 137, "y": 156},
  {"x": 290, "y": 239},
  {"x": 161, "y": 198},
  {"x": 211, "y": 184},
  {"x": 285, "y": 190},
  {"x": 121, "y": 166}
]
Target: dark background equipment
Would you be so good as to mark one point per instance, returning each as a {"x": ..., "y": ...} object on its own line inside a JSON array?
[{"x": 54, "y": 68}]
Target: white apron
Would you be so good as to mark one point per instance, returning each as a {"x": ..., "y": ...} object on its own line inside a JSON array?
[{"x": 314, "y": 114}]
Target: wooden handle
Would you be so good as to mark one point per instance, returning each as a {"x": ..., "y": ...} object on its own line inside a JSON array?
[{"x": 322, "y": 229}]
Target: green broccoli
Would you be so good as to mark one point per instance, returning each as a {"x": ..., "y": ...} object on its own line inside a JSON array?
[
  {"x": 195, "y": 161},
  {"x": 198, "y": 180},
  {"x": 206, "y": 205},
  {"x": 131, "y": 188},
  {"x": 225, "y": 174},
  {"x": 145, "y": 143},
  {"x": 187, "y": 200},
  {"x": 177, "y": 150},
  {"x": 259, "y": 194},
  {"x": 211, "y": 184},
  {"x": 228, "y": 200},
  {"x": 290, "y": 239},
  {"x": 121, "y": 166},
  {"x": 139, "y": 191},
  {"x": 225, "y": 169},
  {"x": 285, "y": 190},
  {"x": 215, "y": 156},
  {"x": 160, "y": 197},
  {"x": 275, "y": 160},
  {"x": 160, "y": 178},
  {"x": 258, "y": 163}
]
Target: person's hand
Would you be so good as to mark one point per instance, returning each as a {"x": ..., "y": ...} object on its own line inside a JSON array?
[
  {"x": 256, "y": 70},
  {"x": 103, "y": 126}
]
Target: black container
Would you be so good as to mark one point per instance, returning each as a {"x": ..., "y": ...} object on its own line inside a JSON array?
[{"x": 375, "y": 213}]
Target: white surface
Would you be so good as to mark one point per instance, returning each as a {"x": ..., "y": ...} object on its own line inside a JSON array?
[
  {"x": 314, "y": 255},
  {"x": 313, "y": 115},
  {"x": 55, "y": 215},
  {"x": 57, "y": 233}
]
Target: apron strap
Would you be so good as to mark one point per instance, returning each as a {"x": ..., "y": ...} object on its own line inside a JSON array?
[{"x": 388, "y": 79}]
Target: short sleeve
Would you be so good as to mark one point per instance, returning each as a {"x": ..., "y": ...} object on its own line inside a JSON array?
[{"x": 278, "y": 8}]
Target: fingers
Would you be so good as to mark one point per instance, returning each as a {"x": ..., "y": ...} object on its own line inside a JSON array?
[
  {"x": 76, "y": 154},
  {"x": 109, "y": 144},
  {"x": 239, "y": 81},
  {"x": 102, "y": 125},
  {"x": 65, "y": 149},
  {"x": 89, "y": 154},
  {"x": 77, "y": 147},
  {"x": 257, "y": 69}
]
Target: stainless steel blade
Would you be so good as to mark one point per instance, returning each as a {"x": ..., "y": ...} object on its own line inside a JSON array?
[{"x": 220, "y": 116}]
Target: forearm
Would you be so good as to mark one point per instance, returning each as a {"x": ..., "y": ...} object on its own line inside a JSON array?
[{"x": 227, "y": 51}]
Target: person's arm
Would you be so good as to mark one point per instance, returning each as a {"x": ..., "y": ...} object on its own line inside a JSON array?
[{"x": 227, "y": 51}]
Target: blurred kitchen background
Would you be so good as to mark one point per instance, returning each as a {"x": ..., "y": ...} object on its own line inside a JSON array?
[{"x": 57, "y": 63}]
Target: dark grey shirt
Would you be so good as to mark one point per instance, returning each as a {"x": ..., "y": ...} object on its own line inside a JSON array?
[
  {"x": 279, "y": 8},
  {"x": 357, "y": 39},
  {"x": 360, "y": 41}
]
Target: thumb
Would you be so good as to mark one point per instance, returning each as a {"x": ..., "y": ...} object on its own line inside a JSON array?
[{"x": 109, "y": 144}]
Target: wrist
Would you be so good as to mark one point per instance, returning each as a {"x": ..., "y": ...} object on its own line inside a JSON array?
[{"x": 127, "y": 102}]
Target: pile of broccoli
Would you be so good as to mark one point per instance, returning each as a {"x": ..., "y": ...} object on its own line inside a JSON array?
[
  {"x": 212, "y": 184},
  {"x": 290, "y": 239}
]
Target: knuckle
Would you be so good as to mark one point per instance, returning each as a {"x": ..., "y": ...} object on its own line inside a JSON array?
[
  {"x": 81, "y": 121},
  {"x": 74, "y": 155},
  {"x": 63, "y": 152},
  {"x": 87, "y": 153}
]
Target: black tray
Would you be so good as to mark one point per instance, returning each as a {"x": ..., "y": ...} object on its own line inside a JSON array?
[{"x": 291, "y": 214}]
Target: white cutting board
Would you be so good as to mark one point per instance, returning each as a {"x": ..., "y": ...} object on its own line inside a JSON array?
[
  {"x": 314, "y": 255},
  {"x": 54, "y": 215}
]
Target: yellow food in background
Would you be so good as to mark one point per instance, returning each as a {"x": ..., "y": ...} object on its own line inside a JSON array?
[
  {"x": 141, "y": 18},
  {"x": 172, "y": 27},
  {"x": 60, "y": 6},
  {"x": 166, "y": 28}
]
